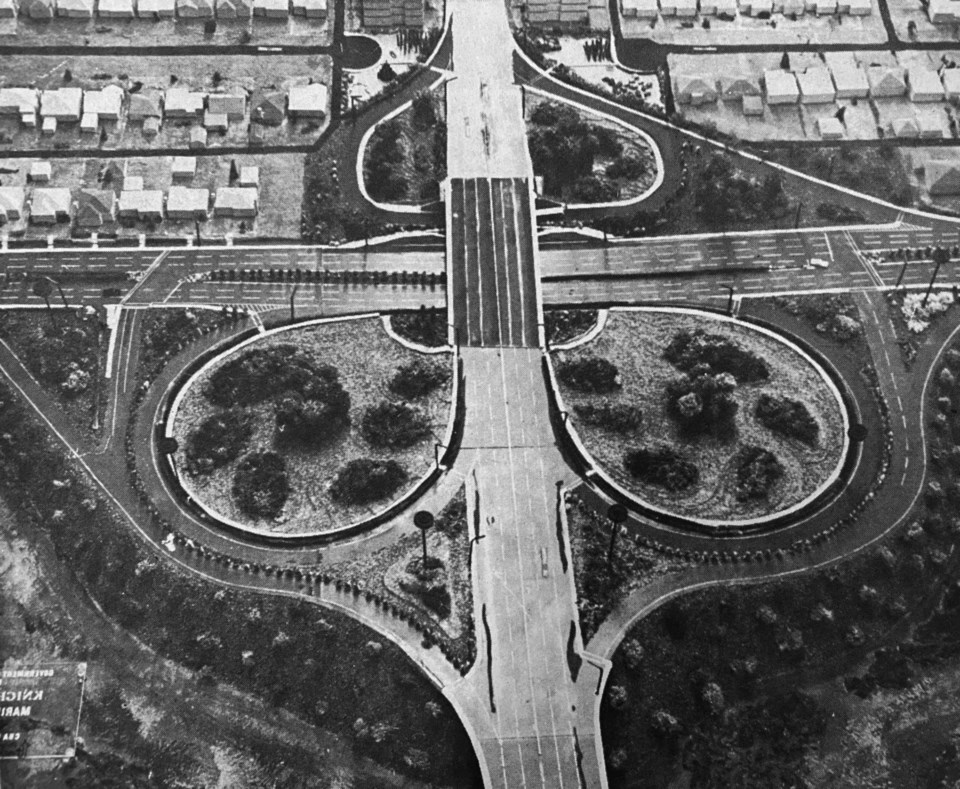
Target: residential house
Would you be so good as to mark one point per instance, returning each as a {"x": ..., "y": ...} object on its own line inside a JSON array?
[
  {"x": 752, "y": 106},
  {"x": 930, "y": 125},
  {"x": 234, "y": 106},
  {"x": 94, "y": 208},
  {"x": 830, "y": 128},
  {"x": 20, "y": 101},
  {"x": 951, "y": 82},
  {"x": 249, "y": 175},
  {"x": 142, "y": 204},
  {"x": 8, "y": 9},
  {"x": 89, "y": 123},
  {"x": 269, "y": 110},
  {"x": 143, "y": 106},
  {"x": 11, "y": 203},
  {"x": 49, "y": 127},
  {"x": 64, "y": 104},
  {"x": 860, "y": 7},
  {"x": 105, "y": 103},
  {"x": 273, "y": 9},
  {"x": 907, "y": 128},
  {"x": 133, "y": 183},
  {"x": 233, "y": 9},
  {"x": 849, "y": 80},
  {"x": 49, "y": 205},
  {"x": 816, "y": 86},
  {"x": 781, "y": 87},
  {"x": 186, "y": 203},
  {"x": 75, "y": 9},
  {"x": 215, "y": 122},
  {"x": 194, "y": 9},
  {"x": 311, "y": 9},
  {"x": 198, "y": 137},
  {"x": 735, "y": 87},
  {"x": 925, "y": 85},
  {"x": 236, "y": 202},
  {"x": 115, "y": 9},
  {"x": 886, "y": 81},
  {"x": 694, "y": 89},
  {"x": 183, "y": 168},
  {"x": 156, "y": 9},
  {"x": 40, "y": 173},
  {"x": 183, "y": 103},
  {"x": 307, "y": 101},
  {"x": 686, "y": 8},
  {"x": 151, "y": 127},
  {"x": 38, "y": 9},
  {"x": 943, "y": 12},
  {"x": 942, "y": 177}
]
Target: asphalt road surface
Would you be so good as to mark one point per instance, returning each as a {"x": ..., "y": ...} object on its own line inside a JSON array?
[{"x": 492, "y": 262}]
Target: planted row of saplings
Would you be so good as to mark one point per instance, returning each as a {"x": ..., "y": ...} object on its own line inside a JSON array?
[
  {"x": 348, "y": 277},
  {"x": 702, "y": 401},
  {"x": 311, "y": 410}
]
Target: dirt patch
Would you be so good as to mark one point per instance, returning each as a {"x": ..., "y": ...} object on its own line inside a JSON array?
[
  {"x": 634, "y": 342},
  {"x": 366, "y": 359}
]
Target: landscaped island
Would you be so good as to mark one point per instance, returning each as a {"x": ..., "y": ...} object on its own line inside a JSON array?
[
  {"x": 312, "y": 428},
  {"x": 702, "y": 417}
]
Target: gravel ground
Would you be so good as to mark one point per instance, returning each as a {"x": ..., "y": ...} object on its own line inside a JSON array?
[
  {"x": 366, "y": 358},
  {"x": 634, "y": 341}
]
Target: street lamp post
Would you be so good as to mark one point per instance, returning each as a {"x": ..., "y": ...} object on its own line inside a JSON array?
[
  {"x": 730, "y": 289},
  {"x": 940, "y": 256},
  {"x": 293, "y": 296},
  {"x": 903, "y": 269},
  {"x": 617, "y": 514},
  {"x": 423, "y": 520}
]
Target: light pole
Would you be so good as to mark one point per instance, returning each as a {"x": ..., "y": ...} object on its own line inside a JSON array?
[
  {"x": 617, "y": 514},
  {"x": 293, "y": 295},
  {"x": 423, "y": 520},
  {"x": 729, "y": 299},
  {"x": 903, "y": 269},
  {"x": 940, "y": 256}
]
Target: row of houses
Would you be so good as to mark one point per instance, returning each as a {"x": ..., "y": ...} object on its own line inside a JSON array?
[
  {"x": 390, "y": 14},
  {"x": 821, "y": 85},
  {"x": 924, "y": 125},
  {"x": 93, "y": 208},
  {"x": 651, "y": 9},
  {"x": 153, "y": 9},
  {"x": 214, "y": 111}
]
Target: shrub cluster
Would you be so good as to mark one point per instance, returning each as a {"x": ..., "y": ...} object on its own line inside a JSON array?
[
  {"x": 725, "y": 194},
  {"x": 688, "y": 349},
  {"x": 394, "y": 425},
  {"x": 564, "y": 325},
  {"x": 662, "y": 466},
  {"x": 757, "y": 471},
  {"x": 364, "y": 480},
  {"x": 419, "y": 378},
  {"x": 788, "y": 417},
  {"x": 590, "y": 374},
  {"x": 384, "y": 176},
  {"x": 260, "y": 484},
  {"x": 428, "y": 585},
  {"x": 703, "y": 402},
  {"x": 423, "y": 326},
  {"x": 617, "y": 417},
  {"x": 218, "y": 440},
  {"x": 311, "y": 405}
]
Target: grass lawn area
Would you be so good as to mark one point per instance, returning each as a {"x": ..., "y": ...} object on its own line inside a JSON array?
[
  {"x": 634, "y": 341},
  {"x": 406, "y": 157},
  {"x": 60, "y": 351},
  {"x": 584, "y": 157},
  {"x": 366, "y": 360},
  {"x": 879, "y": 171}
]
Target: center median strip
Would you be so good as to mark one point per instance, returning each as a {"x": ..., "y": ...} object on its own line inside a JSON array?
[{"x": 595, "y": 276}]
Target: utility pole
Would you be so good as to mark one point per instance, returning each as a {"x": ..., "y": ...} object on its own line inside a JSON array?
[
  {"x": 293, "y": 296},
  {"x": 903, "y": 269},
  {"x": 729, "y": 299},
  {"x": 796, "y": 221},
  {"x": 940, "y": 256},
  {"x": 617, "y": 514}
]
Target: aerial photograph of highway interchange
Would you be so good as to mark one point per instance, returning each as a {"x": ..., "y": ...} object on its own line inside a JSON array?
[{"x": 479, "y": 393}]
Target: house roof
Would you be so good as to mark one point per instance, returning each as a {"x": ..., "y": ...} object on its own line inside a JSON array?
[
  {"x": 19, "y": 100},
  {"x": 929, "y": 124},
  {"x": 183, "y": 101},
  {"x": 830, "y": 127},
  {"x": 50, "y": 201},
  {"x": 269, "y": 109},
  {"x": 84, "y": 7},
  {"x": 183, "y": 165},
  {"x": 924, "y": 80},
  {"x": 816, "y": 81},
  {"x": 887, "y": 79},
  {"x": 780, "y": 83},
  {"x": 61, "y": 103},
  {"x": 249, "y": 175},
  {"x": 308, "y": 98},
  {"x": 695, "y": 84},
  {"x": 115, "y": 7},
  {"x": 11, "y": 200},
  {"x": 740, "y": 86},
  {"x": 133, "y": 182},
  {"x": 905, "y": 127},
  {"x": 144, "y": 105},
  {"x": 951, "y": 80},
  {"x": 943, "y": 177},
  {"x": 94, "y": 207},
  {"x": 198, "y": 134},
  {"x": 105, "y": 102},
  {"x": 147, "y": 7},
  {"x": 183, "y": 199},
  {"x": 226, "y": 103},
  {"x": 141, "y": 201},
  {"x": 40, "y": 171},
  {"x": 234, "y": 198},
  {"x": 37, "y": 8},
  {"x": 215, "y": 120},
  {"x": 848, "y": 76}
]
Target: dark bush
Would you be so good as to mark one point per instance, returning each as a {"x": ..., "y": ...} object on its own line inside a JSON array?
[
  {"x": 260, "y": 484},
  {"x": 419, "y": 377},
  {"x": 591, "y": 189},
  {"x": 394, "y": 425},
  {"x": 365, "y": 479},
  {"x": 691, "y": 348},
  {"x": 423, "y": 326},
  {"x": 424, "y": 110},
  {"x": 218, "y": 440},
  {"x": 837, "y": 212},
  {"x": 564, "y": 325},
  {"x": 618, "y": 417},
  {"x": 629, "y": 166},
  {"x": 386, "y": 73},
  {"x": 757, "y": 471},
  {"x": 788, "y": 417},
  {"x": 590, "y": 374},
  {"x": 703, "y": 402},
  {"x": 315, "y": 420},
  {"x": 661, "y": 466},
  {"x": 262, "y": 373}
]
